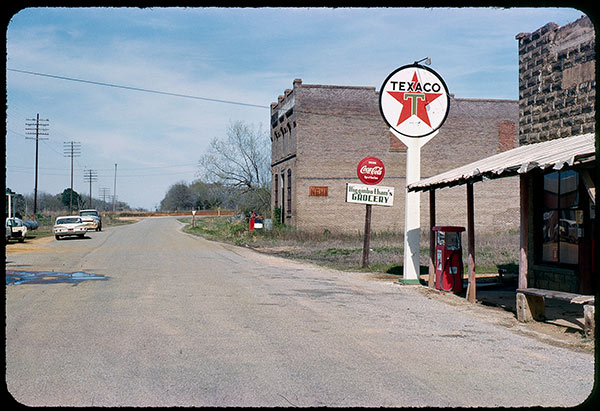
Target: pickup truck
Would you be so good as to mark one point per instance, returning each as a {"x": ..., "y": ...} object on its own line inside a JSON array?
[
  {"x": 15, "y": 229},
  {"x": 91, "y": 219}
]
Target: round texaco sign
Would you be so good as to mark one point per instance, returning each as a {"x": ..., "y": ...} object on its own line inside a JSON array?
[{"x": 414, "y": 101}]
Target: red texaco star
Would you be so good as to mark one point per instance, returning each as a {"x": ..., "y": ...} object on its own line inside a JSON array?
[{"x": 414, "y": 102}]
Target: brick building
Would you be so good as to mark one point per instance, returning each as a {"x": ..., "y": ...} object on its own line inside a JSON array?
[
  {"x": 319, "y": 133},
  {"x": 557, "y": 93}
]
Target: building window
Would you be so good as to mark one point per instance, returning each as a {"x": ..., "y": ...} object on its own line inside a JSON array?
[
  {"x": 276, "y": 181},
  {"x": 289, "y": 191},
  {"x": 561, "y": 218},
  {"x": 282, "y": 195},
  {"x": 284, "y": 141}
]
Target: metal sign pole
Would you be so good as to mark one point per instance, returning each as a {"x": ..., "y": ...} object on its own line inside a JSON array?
[{"x": 412, "y": 212}]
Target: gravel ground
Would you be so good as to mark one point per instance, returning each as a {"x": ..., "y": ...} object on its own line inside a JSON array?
[{"x": 181, "y": 321}]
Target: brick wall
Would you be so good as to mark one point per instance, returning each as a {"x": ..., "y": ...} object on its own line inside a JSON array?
[
  {"x": 337, "y": 127},
  {"x": 331, "y": 128},
  {"x": 557, "y": 86},
  {"x": 557, "y": 91}
]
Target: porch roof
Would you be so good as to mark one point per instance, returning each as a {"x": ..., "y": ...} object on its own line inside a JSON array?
[{"x": 557, "y": 153}]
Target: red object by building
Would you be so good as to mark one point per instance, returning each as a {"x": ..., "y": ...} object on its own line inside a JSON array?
[{"x": 448, "y": 258}]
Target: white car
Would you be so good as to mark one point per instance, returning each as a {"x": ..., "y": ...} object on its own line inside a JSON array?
[
  {"x": 92, "y": 219},
  {"x": 15, "y": 229},
  {"x": 66, "y": 226}
]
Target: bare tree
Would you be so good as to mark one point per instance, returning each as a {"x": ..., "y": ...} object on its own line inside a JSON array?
[{"x": 241, "y": 160}]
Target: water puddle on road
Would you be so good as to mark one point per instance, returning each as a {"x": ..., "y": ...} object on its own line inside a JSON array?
[{"x": 49, "y": 277}]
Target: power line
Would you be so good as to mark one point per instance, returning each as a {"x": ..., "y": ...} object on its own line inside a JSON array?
[{"x": 166, "y": 93}]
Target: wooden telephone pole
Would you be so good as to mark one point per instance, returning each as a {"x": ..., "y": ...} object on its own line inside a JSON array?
[
  {"x": 39, "y": 130},
  {"x": 71, "y": 149},
  {"x": 89, "y": 176}
]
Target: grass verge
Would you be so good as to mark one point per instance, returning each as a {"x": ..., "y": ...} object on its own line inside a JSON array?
[{"x": 344, "y": 251}]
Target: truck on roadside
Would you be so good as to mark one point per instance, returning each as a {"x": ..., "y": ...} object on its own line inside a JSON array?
[
  {"x": 92, "y": 219},
  {"x": 15, "y": 229}
]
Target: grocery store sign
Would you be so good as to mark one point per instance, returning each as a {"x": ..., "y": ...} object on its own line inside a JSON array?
[{"x": 370, "y": 195}]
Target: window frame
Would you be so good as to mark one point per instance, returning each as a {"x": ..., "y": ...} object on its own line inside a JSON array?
[{"x": 562, "y": 208}]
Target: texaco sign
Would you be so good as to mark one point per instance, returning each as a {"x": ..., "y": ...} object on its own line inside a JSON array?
[{"x": 414, "y": 101}]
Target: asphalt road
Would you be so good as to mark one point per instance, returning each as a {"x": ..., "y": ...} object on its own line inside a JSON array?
[{"x": 180, "y": 321}]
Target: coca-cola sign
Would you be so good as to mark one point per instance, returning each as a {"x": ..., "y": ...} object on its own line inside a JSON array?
[{"x": 370, "y": 170}]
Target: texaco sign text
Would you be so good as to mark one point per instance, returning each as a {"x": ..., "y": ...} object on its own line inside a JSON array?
[{"x": 414, "y": 101}]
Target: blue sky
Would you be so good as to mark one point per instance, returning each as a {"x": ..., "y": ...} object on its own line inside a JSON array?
[{"x": 246, "y": 55}]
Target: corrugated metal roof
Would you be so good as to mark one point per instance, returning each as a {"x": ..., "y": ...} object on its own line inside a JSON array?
[{"x": 556, "y": 153}]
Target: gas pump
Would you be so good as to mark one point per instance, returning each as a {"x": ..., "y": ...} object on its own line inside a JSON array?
[{"x": 448, "y": 258}]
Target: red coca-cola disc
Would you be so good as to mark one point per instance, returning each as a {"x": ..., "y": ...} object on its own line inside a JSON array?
[{"x": 370, "y": 170}]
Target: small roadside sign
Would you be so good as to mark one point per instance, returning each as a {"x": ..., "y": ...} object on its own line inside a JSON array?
[{"x": 370, "y": 195}]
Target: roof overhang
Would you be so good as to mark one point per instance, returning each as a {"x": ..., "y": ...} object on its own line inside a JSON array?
[{"x": 555, "y": 154}]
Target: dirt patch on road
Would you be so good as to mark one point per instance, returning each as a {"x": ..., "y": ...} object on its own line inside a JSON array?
[
  {"x": 29, "y": 245},
  {"x": 555, "y": 333},
  {"x": 486, "y": 307},
  {"x": 135, "y": 219}
]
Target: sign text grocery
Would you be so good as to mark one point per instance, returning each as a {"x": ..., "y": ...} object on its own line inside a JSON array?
[{"x": 368, "y": 194}]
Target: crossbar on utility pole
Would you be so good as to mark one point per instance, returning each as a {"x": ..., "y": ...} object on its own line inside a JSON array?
[{"x": 38, "y": 130}]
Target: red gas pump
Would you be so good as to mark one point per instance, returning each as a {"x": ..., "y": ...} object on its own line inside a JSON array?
[{"x": 448, "y": 258}]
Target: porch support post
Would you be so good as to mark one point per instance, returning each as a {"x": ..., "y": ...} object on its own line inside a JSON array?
[
  {"x": 471, "y": 288},
  {"x": 524, "y": 246},
  {"x": 431, "y": 280}
]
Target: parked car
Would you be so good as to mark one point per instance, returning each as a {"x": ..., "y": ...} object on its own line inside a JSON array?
[
  {"x": 66, "y": 226},
  {"x": 15, "y": 229},
  {"x": 92, "y": 219},
  {"x": 31, "y": 224}
]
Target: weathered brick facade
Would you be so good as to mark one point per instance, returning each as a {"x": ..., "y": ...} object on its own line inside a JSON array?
[
  {"x": 319, "y": 134},
  {"x": 557, "y": 81},
  {"x": 557, "y": 93}
]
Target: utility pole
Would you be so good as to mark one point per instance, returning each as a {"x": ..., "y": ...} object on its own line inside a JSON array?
[
  {"x": 71, "y": 149},
  {"x": 89, "y": 176},
  {"x": 115, "y": 189},
  {"x": 38, "y": 130},
  {"x": 103, "y": 193}
]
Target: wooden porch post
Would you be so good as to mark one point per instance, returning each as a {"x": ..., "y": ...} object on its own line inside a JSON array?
[
  {"x": 431, "y": 280},
  {"x": 471, "y": 288},
  {"x": 524, "y": 212}
]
